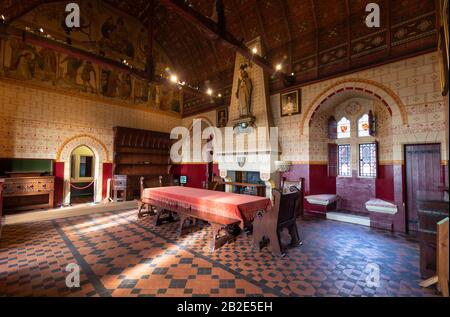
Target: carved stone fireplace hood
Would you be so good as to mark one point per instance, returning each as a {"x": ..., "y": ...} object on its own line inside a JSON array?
[{"x": 262, "y": 156}]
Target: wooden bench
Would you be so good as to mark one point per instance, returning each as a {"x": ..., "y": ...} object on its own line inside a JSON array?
[{"x": 224, "y": 229}]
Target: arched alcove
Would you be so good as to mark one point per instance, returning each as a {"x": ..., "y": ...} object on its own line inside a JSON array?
[
  {"x": 356, "y": 87},
  {"x": 101, "y": 156}
]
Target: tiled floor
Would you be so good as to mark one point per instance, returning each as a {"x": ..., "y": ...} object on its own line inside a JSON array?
[{"x": 121, "y": 255}]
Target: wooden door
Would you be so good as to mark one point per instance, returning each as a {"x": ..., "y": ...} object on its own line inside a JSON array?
[{"x": 423, "y": 173}]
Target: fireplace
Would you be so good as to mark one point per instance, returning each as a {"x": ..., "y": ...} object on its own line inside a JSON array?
[{"x": 243, "y": 177}]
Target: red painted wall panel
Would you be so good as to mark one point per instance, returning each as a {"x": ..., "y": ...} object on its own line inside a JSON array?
[
  {"x": 385, "y": 183},
  {"x": 196, "y": 174},
  {"x": 107, "y": 174},
  {"x": 320, "y": 182},
  {"x": 58, "y": 172},
  {"x": 354, "y": 192},
  {"x": 296, "y": 172}
]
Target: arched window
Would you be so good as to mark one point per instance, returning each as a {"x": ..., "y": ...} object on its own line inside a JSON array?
[
  {"x": 343, "y": 128},
  {"x": 364, "y": 126}
]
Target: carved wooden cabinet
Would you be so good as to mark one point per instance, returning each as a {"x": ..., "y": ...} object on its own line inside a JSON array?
[
  {"x": 26, "y": 193},
  {"x": 141, "y": 153}
]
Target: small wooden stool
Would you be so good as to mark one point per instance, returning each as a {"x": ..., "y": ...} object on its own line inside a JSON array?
[{"x": 119, "y": 188}]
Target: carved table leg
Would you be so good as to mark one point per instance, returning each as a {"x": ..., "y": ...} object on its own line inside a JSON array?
[
  {"x": 183, "y": 219},
  {"x": 141, "y": 205}
]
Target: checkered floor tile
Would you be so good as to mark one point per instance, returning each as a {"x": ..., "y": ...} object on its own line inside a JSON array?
[{"x": 121, "y": 255}]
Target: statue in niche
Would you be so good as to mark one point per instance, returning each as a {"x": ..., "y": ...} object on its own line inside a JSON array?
[{"x": 244, "y": 92}]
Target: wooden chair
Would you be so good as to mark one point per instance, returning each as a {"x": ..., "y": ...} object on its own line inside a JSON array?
[
  {"x": 151, "y": 183},
  {"x": 295, "y": 187},
  {"x": 216, "y": 184},
  {"x": 268, "y": 226}
]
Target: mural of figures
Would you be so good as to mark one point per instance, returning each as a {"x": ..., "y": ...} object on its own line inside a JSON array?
[
  {"x": 89, "y": 77},
  {"x": 46, "y": 62},
  {"x": 72, "y": 65},
  {"x": 106, "y": 31},
  {"x": 141, "y": 91}
]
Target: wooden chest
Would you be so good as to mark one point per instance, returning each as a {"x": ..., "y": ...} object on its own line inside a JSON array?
[{"x": 27, "y": 193}]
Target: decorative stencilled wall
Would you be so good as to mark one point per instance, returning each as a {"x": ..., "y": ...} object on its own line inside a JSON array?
[
  {"x": 34, "y": 123},
  {"x": 410, "y": 87}
]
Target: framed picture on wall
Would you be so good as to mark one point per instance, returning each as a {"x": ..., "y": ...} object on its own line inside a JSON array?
[
  {"x": 290, "y": 103},
  {"x": 222, "y": 117}
]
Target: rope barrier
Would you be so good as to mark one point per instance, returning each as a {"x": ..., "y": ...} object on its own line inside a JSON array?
[{"x": 82, "y": 188}]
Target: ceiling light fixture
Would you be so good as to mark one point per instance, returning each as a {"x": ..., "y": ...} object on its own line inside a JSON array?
[
  {"x": 209, "y": 92},
  {"x": 255, "y": 50},
  {"x": 174, "y": 78},
  {"x": 278, "y": 67}
]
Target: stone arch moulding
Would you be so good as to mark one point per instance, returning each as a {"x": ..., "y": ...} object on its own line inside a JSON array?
[
  {"x": 369, "y": 87},
  {"x": 101, "y": 156}
]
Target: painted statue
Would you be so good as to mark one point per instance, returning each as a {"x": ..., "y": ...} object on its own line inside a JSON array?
[{"x": 244, "y": 92}]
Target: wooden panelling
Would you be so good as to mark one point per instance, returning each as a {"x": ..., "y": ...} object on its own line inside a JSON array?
[{"x": 423, "y": 173}]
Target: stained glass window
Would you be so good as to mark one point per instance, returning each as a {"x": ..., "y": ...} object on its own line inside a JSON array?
[
  {"x": 364, "y": 126},
  {"x": 343, "y": 128},
  {"x": 368, "y": 160},
  {"x": 344, "y": 160}
]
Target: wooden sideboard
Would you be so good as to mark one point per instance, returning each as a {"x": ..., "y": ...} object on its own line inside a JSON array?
[
  {"x": 141, "y": 153},
  {"x": 27, "y": 193}
]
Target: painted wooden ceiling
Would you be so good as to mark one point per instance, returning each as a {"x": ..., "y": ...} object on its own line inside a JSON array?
[{"x": 312, "y": 38}]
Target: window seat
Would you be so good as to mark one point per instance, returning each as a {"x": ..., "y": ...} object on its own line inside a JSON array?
[
  {"x": 381, "y": 206},
  {"x": 323, "y": 200},
  {"x": 319, "y": 205}
]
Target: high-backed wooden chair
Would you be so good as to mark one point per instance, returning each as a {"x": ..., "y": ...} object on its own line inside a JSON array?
[
  {"x": 160, "y": 181},
  {"x": 216, "y": 184},
  {"x": 268, "y": 226},
  {"x": 297, "y": 187}
]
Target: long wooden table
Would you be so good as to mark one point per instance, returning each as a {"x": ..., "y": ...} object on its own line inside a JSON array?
[{"x": 224, "y": 211}]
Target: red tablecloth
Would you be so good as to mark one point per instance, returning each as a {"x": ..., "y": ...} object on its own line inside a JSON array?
[{"x": 236, "y": 206}]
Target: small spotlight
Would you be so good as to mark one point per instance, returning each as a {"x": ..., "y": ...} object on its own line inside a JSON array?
[
  {"x": 2, "y": 19},
  {"x": 219, "y": 95},
  {"x": 174, "y": 78},
  {"x": 209, "y": 92},
  {"x": 292, "y": 74},
  {"x": 41, "y": 30},
  {"x": 255, "y": 50},
  {"x": 278, "y": 67}
]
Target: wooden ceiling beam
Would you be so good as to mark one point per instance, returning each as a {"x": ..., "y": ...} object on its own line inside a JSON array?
[
  {"x": 285, "y": 10},
  {"x": 211, "y": 30},
  {"x": 11, "y": 32},
  {"x": 316, "y": 28}
]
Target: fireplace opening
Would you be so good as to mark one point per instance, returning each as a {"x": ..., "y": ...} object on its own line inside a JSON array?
[{"x": 246, "y": 179}]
